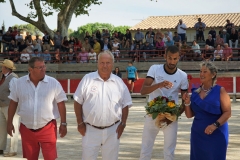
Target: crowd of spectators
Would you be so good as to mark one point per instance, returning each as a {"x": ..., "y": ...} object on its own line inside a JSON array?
[{"x": 59, "y": 49}]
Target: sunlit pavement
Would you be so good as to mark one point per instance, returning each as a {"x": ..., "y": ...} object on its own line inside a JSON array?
[{"x": 69, "y": 147}]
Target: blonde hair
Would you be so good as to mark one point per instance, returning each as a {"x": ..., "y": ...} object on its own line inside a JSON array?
[{"x": 212, "y": 68}]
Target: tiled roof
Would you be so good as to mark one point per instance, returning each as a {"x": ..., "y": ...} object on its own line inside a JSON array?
[{"x": 169, "y": 22}]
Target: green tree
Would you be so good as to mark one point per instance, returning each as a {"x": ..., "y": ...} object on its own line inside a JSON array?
[
  {"x": 93, "y": 27},
  {"x": 29, "y": 28},
  {"x": 43, "y": 8}
]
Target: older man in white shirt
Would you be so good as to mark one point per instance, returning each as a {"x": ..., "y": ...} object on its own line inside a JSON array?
[
  {"x": 101, "y": 106},
  {"x": 40, "y": 99}
]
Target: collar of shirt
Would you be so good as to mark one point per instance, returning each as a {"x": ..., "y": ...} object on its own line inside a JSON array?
[
  {"x": 97, "y": 76},
  {"x": 7, "y": 74},
  {"x": 45, "y": 79}
]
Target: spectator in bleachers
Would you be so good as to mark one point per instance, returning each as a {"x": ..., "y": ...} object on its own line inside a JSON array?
[
  {"x": 15, "y": 56},
  {"x": 134, "y": 52},
  {"x": 12, "y": 46},
  {"x": 210, "y": 41},
  {"x": 106, "y": 35},
  {"x": 36, "y": 53},
  {"x": 149, "y": 39},
  {"x": 117, "y": 72},
  {"x": 228, "y": 26},
  {"x": 29, "y": 48},
  {"x": 71, "y": 56},
  {"x": 239, "y": 38},
  {"x": 98, "y": 35},
  {"x": 65, "y": 44},
  {"x": 92, "y": 56},
  {"x": 208, "y": 53},
  {"x": 225, "y": 36},
  {"x": 2, "y": 32},
  {"x": 220, "y": 30},
  {"x": 39, "y": 41},
  {"x": 86, "y": 45},
  {"x": 233, "y": 38},
  {"x": 181, "y": 29},
  {"x": 87, "y": 35},
  {"x": 22, "y": 46},
  {"x": 37, "y": 46},
  {"x": 46, "y": 41},
  {"x": 128, "y": 39},
  {"x": 164, "y": 39},
  {"x": 121, "y": 39},
  {"x": 176, "y": 39},
  {"x": 116, "y": 53},
  {"x": 138, "y": 37},
  {"x": 14, "y": 32},
  {"x": 170, "y": 34},
  {"x": 25, "y": 57},
  {"x": 213, "y": 33},
  {"x": 185, "y": 51},
  {"x": 71, "y": 43},
  {"x": 82, "y": 57},
  {"x": 57, "y": 57},
  {"x": 18, "y": 38},
  {"x": 6, "y": 40},
  {"x": 227, "y": 53},
  {"x": 196, "y": 50},
  {"x": 47, "y": 56},
  {"x": 57, "y": 39},
  {"x": 106, "y": 45},
  {"x": 200, "y": 27},
  {"x": 219, "y": 41},
  {"x": 218, "y": 53},
  {"x": 147, "y": 51},
  {"x": 157, "y": 35},
  {"x": 29, "y": 40},
  {"x": 160, "y": 46},
  {"x": 27, "y": 34},
  {"x": 151, "y": 32},
  {"x": 77, "y": 45},
  {"x": 91, "y": 40},
  {"x": 115, "y": 44},
  {"x": 169, "y": 42},
  {"x": 96, "y": 46}
]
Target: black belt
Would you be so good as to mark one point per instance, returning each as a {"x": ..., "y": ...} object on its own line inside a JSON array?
[
  {"x": 104, "y": 126},
  {"x": 36, "y": 130}
]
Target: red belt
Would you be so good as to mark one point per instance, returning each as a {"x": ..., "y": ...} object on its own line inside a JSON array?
[
  {"x": 104, "y": 126},
  {"x": 36, "y": 130}
]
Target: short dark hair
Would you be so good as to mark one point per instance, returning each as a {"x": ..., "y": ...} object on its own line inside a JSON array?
[
  {"x": 172, "y": 49},
  {"x": 32, "y": 61}
]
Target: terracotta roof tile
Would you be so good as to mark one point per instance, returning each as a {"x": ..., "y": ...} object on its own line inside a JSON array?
[{"x": 165, "y": 22}]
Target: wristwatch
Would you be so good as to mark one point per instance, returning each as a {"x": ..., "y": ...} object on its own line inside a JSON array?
[
  {"x": 123, "y": 124},
  {"x": 217, "y": 124},
  {"x": 64, "y": 124}
]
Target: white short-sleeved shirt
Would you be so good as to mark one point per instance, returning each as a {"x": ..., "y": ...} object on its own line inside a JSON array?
[
  {"x": 158, "y": 74},
  {"x": 180, "y": 30},
  {"x": 37, "y": 105},
  {"x": 102, "y": 101}
]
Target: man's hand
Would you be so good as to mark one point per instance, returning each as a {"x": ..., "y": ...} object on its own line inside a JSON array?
[
  {"x": 166, "y": 84},
  {"x": 10, "y": 129},
  {"x": 167, "y": 121},
  {"x": 82, "y": 129},
  {"x": 120, "y": 130},
  {"x": 62, "y": 130}
]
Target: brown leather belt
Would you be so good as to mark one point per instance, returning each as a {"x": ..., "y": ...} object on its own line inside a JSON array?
[
  {"x": 36, "y": 130},
  {"x": 104, "y": 126}
]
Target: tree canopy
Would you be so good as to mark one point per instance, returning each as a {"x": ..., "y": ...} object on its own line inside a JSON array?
[
  {"x": 43, "y": 8},
  {"x": 93, "y": 27}
]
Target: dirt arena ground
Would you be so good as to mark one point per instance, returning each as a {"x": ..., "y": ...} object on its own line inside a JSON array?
[{"x": 70, "y": 146}]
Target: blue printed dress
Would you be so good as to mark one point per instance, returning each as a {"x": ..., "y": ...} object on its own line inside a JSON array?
[{"x": 206, "y": 112}]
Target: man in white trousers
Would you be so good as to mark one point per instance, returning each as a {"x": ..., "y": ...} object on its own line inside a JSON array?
[
  {"x": 101, "y": 107},
  {"x": 7, "y": 79},
  {"x": 163, "y": 80}
]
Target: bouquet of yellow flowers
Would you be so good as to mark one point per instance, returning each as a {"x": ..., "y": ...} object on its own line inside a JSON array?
[{"x": 163, "y": 108}]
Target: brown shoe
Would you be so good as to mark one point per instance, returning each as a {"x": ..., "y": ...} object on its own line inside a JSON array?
[{"x": 10, "y": 154}]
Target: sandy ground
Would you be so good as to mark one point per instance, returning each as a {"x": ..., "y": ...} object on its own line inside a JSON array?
[{"x": 70, "y": 146}]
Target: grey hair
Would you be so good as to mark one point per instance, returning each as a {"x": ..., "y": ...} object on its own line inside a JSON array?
[
  {"x": 212, "y": 68},
  {"x": 106, "y": 52}
]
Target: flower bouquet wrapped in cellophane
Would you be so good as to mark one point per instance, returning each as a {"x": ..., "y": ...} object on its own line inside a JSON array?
[{"x": 162, "y": 108}]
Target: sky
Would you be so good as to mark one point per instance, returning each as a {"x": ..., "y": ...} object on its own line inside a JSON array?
[{"x": 126, "y": 12}]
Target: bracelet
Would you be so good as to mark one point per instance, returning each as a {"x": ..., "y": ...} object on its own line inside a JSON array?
[
  {"x": 187, "y": 104},
  {"x": 216, "y": 124},
  {"x": 80, "y": 123}
]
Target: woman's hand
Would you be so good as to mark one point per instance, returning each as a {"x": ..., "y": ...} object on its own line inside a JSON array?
[{"x": 210, "y": 129}]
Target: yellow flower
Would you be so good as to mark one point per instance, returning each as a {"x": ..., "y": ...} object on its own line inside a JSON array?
[
  {"x": 171, "y": 104},
  {"x": 151, "y": 103}
]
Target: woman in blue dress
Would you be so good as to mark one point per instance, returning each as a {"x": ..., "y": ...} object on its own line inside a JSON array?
[{"x": 211, "y": 108}]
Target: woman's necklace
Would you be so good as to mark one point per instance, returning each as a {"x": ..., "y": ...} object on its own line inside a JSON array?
[{"x": 206, "y": 90}]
